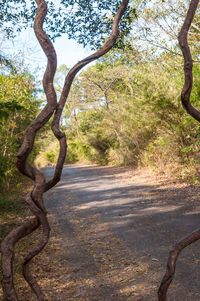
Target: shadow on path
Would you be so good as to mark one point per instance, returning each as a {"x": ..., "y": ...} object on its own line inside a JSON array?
[{"x": 145, "y": 221}]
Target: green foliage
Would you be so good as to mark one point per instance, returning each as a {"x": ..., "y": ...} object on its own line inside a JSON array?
[
  {"x": 159, "y": 24},
  {"x": 18, "y": 106},
  {"x": 78, "y": 151},
  {"x": 51, "y": 156},
  {"x": 125, "y": 109},
  {"x": 91, "y": 145},
  {"x": 6, "y": 108},
  {"x": 88, "y": 22},
  {"x": 48, "y": 149},
  {"x": 13, "y": 15},
  {"x": 132, "y": 115},
  {"x": 16, "y": 15}
]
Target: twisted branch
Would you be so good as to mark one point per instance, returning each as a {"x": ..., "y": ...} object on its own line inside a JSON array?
[
  {"x": 171, "y": 263},
  {"x": 183, "y": 42},
  {"x": 35, "y": 198},
  {"x": 67, "y": 86},
  {"x": 7, "y": 258},
  {"x": 185, "y": 99}
]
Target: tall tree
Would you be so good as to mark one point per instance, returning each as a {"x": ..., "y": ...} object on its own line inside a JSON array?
[{"x": 53, "y": 108}]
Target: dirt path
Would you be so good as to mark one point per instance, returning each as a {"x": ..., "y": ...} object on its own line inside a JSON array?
[{"x": 111, "y": 234}]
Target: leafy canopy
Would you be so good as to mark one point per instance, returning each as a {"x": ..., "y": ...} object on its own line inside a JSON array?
[{"x": 87, "y": 21}]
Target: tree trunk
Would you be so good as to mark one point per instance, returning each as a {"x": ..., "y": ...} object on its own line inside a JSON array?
[
  {"x": 35, "y": 198},
  {"x": 185, "y": 98}
]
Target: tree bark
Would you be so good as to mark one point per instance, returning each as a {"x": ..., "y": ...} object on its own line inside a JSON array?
[
  {"x": 185, "y": 99},
  {"x": 35, "y": 198},
  {"x": 188, "y": 62}
]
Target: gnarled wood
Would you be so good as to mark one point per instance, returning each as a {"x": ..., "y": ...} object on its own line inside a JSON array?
[
  {"x": 67, "y": 86},
  {"x": 7, "y": 256},
  {"x": 188, "y": 63},
  {"x": 185, "y": 98},
  {"x": 171, "y": 263},
  {"x": 35, "y": 198}
]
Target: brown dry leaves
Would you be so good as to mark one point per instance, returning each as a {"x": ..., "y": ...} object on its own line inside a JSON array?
[
  {"x": 94, "y": 265},
  {"x": 90, "y": 263}
]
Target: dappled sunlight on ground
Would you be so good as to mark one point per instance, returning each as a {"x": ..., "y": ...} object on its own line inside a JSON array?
[
  {"x": 117, "y": 228},
  {"x": 112, "y": 229},
  {"x": 106, "y": 268}
]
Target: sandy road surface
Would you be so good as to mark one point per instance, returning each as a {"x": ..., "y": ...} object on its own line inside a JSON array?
[{"x": 114, "y": 229}]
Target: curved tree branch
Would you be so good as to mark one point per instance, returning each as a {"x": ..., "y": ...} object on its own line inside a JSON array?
[
  {"x": 185, "y": 98},
  {"x": 35, "y": 198},
  {"x": 7, "y": 256},
  {"x": 67, "y": 86},
  {"x": 183, "y": 42},
  {"x": 171, "y": 264}
]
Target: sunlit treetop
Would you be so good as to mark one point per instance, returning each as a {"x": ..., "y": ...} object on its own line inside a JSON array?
[{"x": 89, "y": 22}]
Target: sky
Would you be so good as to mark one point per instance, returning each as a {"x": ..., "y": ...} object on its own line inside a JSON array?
[{"x": 26, "y": 47}]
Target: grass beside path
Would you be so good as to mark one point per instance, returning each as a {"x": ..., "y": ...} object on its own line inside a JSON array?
[{"x": 13, "y": 212}]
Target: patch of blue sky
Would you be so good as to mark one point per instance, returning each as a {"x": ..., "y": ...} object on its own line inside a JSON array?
[{"x": 26, "y": 48}]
